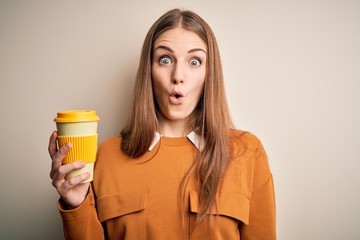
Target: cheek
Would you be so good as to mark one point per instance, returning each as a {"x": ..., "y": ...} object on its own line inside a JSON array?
[
  {"x": 200, "y": 83},
  {"x": 159, "y": 87},
  {"x": 158, "y": 76},
  {"x": 200, "y": 90},
  {"x": 156, "y": 90},
  {"x": 201, "y": 77},
  {"x": 155, "y": 78}
]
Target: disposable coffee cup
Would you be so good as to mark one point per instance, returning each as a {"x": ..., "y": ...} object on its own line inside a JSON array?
[{"x": 79, "y": 127}]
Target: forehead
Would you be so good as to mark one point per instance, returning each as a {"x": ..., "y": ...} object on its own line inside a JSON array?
[{"x": 179, "y": 37}]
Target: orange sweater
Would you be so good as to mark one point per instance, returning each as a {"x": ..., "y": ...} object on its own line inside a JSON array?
[{"x": 138, "y": 199}]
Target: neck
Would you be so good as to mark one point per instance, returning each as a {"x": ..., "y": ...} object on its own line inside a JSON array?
[{"x": 173, "y": 128}]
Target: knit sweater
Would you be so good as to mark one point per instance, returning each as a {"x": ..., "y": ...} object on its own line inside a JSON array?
[{"x": 139, "y": 198}]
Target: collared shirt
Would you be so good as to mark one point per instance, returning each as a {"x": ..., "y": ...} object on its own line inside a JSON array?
[
  {"x": 139, "y": 198},
  {"x": 192, "y": 136}
]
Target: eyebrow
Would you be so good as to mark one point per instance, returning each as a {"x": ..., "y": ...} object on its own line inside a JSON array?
[{"x": 170, "y": 50}]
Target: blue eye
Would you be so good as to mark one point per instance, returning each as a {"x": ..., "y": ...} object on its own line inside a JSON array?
[
  {"x": 165, "y": 60},
  {"x": 194, "y": 62}
]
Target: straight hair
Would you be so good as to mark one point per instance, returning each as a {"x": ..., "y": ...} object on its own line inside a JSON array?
[{"x": 210, "y": 119}]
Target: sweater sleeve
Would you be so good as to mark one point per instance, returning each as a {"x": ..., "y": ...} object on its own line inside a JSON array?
[
  {"x": 82, "y": 222},
  {"x": 262, "y": 219}
]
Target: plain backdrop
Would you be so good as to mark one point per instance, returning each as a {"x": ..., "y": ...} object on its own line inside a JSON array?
[{"x": 292, "y": 72}]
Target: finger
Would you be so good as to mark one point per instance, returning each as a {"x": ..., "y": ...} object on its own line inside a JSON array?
[
  {"x": 58, "y": 158},
  {"x": 52, "y": 148},
  {"x": 72, "y": 182},
  {"x": 63, "y": 170}
]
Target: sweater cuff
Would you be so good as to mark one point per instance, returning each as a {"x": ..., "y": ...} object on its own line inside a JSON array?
[{"x": 81, "y": 211}]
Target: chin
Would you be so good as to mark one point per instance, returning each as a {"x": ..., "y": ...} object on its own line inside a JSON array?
[{"x": 177, "y": 116}]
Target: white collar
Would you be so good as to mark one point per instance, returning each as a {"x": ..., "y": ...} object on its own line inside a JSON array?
[{"x": 193, "y": 137}]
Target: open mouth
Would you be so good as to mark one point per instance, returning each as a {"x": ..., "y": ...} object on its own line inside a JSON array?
[
  {"x": 177, "y": 94},
  {"x": 176, "y": 97}
]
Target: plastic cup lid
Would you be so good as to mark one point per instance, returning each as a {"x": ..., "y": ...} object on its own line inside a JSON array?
[{"x": 72, "y": 116}]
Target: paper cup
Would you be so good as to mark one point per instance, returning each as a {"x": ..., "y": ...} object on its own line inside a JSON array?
[{"x": 79, "y": 127}]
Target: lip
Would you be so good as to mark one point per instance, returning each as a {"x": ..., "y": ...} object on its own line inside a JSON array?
[{"x": 176, "y": 97}]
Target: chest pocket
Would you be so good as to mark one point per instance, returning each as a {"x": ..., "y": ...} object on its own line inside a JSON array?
[
  {"x": 232, "y": 210},
  {"x": 123, "y": 214}
]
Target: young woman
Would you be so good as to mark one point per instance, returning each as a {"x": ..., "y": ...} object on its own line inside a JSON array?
[{"x": 178, "y": 170}]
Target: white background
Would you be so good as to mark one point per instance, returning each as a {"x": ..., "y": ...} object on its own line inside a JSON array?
[{"x": 292, "y": 71}]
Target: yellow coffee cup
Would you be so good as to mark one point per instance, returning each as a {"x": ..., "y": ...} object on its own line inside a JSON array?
[{"x": 79, "y": 127}]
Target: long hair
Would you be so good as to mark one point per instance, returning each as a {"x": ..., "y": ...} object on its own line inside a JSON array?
[{"x": 210, "y": 119}]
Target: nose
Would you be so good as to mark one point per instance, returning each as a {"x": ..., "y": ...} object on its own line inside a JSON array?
[{"x": 178, "y": 75}]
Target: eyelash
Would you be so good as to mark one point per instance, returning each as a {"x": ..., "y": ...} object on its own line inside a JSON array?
[
  {"x": 170, "y": 61},
  {"x": 164, "y": 57},
  {"x": 195, "y": 59}
]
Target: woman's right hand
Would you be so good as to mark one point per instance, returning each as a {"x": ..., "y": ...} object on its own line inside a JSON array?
[{"x": 71, "y": 190}]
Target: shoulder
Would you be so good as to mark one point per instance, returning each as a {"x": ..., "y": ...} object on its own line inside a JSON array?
[
  {"x": 244, "y": 141},
  {"x": 248, "y": 155},
  {"x": 109, "y": 153},
  {"x": 109, "y": 146},
  {"x": 247, "y": 148},
  {"x": 110, "y": 142}
]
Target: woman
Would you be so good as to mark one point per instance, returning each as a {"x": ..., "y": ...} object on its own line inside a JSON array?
[{"x": 178, "y": 170}]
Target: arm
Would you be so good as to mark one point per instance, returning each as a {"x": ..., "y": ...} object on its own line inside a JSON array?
[
  {"x": 76, "y": 204},
  {"x": 262, "y": 220},
  {"x": 82, "y": 222}
]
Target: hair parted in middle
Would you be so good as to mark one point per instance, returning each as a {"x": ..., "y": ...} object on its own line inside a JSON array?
[{"x": 210, "y": 119}]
